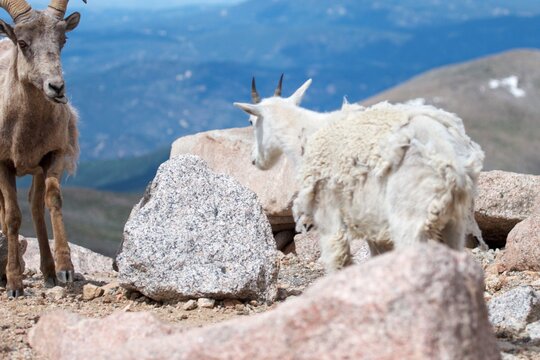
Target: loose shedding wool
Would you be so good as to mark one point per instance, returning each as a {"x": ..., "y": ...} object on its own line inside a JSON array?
[{"x": 394, "y": 175}]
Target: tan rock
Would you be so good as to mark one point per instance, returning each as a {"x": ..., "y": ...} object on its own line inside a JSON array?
[
  {"x": 91, "y": 291},
  {"x": 190, "y": 305},
  {"x": 504, "y": 199},
  {"x": 229, "y": 152},
  {"x": 522, "y": 250},
  {"x": 422, "y": 303},
  {"x": 206, "y": 303},
  {"x": 23, "y": 245}
]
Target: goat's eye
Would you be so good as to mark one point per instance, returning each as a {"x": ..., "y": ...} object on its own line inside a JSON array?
[
  {"x": 251, "y": 121},
  {"x": 22, "y": 44}
]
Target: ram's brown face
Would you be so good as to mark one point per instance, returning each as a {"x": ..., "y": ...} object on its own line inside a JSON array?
[{"x": 39, "y": 42}]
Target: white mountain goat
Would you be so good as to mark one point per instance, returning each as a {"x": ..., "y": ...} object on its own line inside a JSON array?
[
  {"x": 38, "y": 132},
  {"x": 393, "y": 175}
]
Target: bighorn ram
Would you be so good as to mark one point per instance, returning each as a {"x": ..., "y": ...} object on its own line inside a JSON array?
[
  {"x": 393, "y": 175},
  {"x": 38, "y": 132}
]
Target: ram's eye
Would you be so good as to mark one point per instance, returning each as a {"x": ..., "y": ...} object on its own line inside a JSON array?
[
  {"x": 22, "y": 44},
  {"x": 250, "y": 121}
]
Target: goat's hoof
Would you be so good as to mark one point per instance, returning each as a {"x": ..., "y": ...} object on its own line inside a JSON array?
[
  {"x": 66, "y": 276},
  {"x": 50, "y": 281},
  {"x": 12, "y": 294}
]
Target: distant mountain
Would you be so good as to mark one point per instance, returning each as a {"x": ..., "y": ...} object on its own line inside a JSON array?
[
  {"x": 143, "y": 78},
  {"x": 119, "y": 175},
  {"x": 93, "y": 219},
  {"x": 497, "y": 97}
]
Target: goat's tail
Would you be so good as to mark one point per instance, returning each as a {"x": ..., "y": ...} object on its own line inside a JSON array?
[{"x": 451, "y": 212}]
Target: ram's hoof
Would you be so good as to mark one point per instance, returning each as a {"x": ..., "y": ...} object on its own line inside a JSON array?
[
  {"x": 12, "y": 294},
  {"x": 50, "y": 281},
  {"x": 66, "y": 276}
]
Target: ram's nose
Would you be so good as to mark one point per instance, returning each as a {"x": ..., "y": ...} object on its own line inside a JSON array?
[{"x": 57, "y": 87}]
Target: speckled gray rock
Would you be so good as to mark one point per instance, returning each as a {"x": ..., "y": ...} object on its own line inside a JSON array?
[
  {"x": 511, "y": 311},
  {"x": 198, "y": 234},
  {"x": 533, "y": 331}
]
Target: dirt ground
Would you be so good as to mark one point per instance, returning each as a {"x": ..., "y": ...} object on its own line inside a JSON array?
[{"x": 18, "y": 316}]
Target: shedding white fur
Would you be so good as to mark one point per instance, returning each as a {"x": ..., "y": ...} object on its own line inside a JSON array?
[{"x": 394, "y": 175}]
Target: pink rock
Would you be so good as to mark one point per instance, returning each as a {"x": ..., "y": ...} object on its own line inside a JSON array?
[
  {"x": 522, "y": 250},
  {"x": 229, "y": 152},
  {"x": 422, "y": 303},
  {"x": 504, "y": 199}
]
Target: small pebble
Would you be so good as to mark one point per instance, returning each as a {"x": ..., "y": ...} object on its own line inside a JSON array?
[
  {"x": 206, "y": 303},
  {"x": 190, "y": 305}
]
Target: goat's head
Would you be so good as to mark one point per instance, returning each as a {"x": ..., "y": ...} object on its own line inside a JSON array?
[
  {"x": 39, "y": 37},
  {"x": 267, "y": 118}
]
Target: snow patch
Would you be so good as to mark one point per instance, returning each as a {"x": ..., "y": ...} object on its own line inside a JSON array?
[
  {"x": 510, "y": 84},
  {"x": 416, "y": 102}
]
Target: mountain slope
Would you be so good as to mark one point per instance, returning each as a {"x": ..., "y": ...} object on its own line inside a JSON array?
[
  {"x": 497, "y": 97},
  {"x": 93, "y": 219},
  {"x": 143, "y": 78}
]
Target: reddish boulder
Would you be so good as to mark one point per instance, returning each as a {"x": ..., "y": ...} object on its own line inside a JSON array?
[{"x": 422, "y": 303}]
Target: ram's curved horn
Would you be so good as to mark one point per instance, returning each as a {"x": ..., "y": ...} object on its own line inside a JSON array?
[
  {"x": 279, "y": 87},
  {"x": 60, "y": 6},
  {"x": 16, "y": 8},
  {"x": 255, "y": 97}
]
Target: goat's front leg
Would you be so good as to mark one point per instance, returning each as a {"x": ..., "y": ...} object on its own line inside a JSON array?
[
  {"x": 11, "y": 224},
  {"x": 37, "y": 203},
  {"x": 53, "y": 200}
]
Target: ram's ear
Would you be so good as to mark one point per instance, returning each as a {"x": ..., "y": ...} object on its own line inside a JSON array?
[
  {"x": 298, "y": 95},
  {"x": 72, "y": 21},
  {"x": 7, "y": 30},
  {"x": 251, "y": 109}
]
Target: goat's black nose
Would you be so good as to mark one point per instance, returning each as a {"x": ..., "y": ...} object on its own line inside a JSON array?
[{"x": 57, "y": 87}]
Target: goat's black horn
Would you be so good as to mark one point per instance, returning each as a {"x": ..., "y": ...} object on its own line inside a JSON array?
[
  {"x": 255, "y": 97},
  {"x": 279, "y": 87}
]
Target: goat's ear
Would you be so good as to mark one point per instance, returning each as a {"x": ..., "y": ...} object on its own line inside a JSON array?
[
  {"x": 298, "y": 95},
  {"x": 249, "y": 108},
  {"x": 7, "y": 30},
  {"x": 345, "y": 101},
  {"x": 72, "y": 21}
]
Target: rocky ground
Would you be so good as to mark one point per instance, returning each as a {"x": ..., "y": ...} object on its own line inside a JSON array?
[
  {"x": 512, "y": 346},
  {"x": 18, "y": 316},
  {"x": 85, "y": 297}
]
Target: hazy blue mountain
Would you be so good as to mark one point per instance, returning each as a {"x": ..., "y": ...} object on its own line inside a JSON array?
[{"x": 143, "y": 78}]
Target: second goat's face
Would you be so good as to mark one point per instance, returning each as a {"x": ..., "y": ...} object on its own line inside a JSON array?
[{"x": 39, "y": 41}]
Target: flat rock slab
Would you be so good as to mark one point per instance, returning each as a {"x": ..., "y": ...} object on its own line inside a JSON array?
[
  {"x": 422, "y": 303},
  {"x": 198, "y": 234},
  {"x": 84, "y": 260},
  {"x": 229, "y": 152}
]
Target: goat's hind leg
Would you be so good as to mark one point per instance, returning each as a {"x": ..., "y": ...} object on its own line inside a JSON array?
[
  {"x": 335, "y": 250},
  {"x": 37, "y": 204},
  {"x": 11, "y": 224},
  {"x": 53, "y": 200}
]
